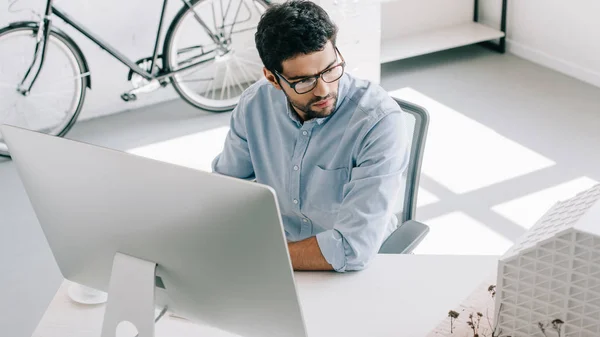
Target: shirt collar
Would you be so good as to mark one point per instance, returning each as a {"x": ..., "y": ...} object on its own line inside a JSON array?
[
  {"x": 292, "y": 113},
  {"x": 342, "y": 92}
]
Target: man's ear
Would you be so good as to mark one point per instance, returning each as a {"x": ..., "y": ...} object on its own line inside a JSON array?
[{"x": 271, "y": 78}]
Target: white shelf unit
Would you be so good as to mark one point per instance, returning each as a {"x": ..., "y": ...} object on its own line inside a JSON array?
[
  {"x": 372, "y": 32},
  {"x": 436, "y": 40},
  {"x": 411, "y": 28}
]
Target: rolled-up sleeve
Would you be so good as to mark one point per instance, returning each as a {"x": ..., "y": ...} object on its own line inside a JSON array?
[
  {"x": 366, "y": 212},
  {"x": 333, "y": 248},
  {"x": 235, "y": 160}
]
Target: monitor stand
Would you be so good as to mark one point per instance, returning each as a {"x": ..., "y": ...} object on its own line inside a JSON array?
[{"x": 130, "y": 296}]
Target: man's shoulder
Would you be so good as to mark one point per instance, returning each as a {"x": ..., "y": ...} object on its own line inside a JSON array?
[
  {"x": 371, "y": 99},
  {"x": 372, "y": 103},
  {"x": 258, "y": 100}
]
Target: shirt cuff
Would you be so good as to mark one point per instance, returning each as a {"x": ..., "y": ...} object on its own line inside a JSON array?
[
  {"x": 331, "y": 244},
  {"x": 213, "y": 164}
]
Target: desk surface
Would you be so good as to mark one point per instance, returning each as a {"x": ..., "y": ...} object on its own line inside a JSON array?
[{"x": 398, "y": 295}]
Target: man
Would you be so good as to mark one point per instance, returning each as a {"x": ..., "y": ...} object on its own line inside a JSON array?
[{"x": 332, "y": 147}]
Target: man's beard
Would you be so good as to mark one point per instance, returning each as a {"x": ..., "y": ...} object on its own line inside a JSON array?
[{"x": 307, "y": 110}]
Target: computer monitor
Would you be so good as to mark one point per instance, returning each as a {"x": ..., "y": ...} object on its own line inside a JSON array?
[{"x": 209, "y": 248}]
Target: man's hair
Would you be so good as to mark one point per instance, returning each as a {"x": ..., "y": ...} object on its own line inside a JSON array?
[{"x": 290, "y": 29}]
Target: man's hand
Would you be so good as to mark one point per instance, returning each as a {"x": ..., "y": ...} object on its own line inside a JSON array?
[{"x": 306, "y": 255}]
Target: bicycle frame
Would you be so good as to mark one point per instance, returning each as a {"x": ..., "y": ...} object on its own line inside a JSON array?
[{"x": 45, "y": 28}]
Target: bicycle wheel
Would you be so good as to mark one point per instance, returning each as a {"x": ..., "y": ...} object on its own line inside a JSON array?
[
  {"x": 228, "y": 69},
  {"x": 56, "y": 98}
]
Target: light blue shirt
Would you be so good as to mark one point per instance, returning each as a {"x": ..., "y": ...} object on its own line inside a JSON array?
[{"x": 336, "y": 178}]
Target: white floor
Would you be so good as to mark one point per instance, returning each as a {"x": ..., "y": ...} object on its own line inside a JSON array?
[{"x": 507, "y": 139}]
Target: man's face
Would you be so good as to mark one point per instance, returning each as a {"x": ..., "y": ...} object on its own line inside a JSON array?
[{"x": 321, "y": 100}]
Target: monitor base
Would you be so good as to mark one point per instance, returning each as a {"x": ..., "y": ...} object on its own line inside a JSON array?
[
  {"x": 85, "y": 295},
  {"x": 130, "y": 296}
]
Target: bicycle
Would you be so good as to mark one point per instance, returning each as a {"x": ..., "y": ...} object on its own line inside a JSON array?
[{"x": 208, "y": 55}]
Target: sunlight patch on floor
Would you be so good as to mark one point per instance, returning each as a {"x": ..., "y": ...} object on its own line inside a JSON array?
[
  {"x": 195, "y": 151},
  {"x": 464, "y": 155},
  {"x": 426, "y": 198},
  {"x": 527, "y": 210}
]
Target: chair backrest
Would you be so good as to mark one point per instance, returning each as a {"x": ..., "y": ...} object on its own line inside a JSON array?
[{"x": 417, "y": 119}]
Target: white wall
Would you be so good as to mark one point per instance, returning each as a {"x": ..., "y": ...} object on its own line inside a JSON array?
[
  {"x": 359, "y": 23},
  {"x": 562, "y": 35},
  {"x": 129, "y": 25},
  {"x": 406, "y": 17}
]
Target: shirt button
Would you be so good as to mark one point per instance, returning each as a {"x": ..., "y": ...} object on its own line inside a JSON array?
[
  {"x": 296, "y": 167},
  {"x": 295, "y": 201},
  {"x": 305, "y": 133}
]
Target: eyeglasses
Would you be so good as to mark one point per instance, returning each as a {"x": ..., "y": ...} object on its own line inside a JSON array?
[{"x": 328, "y": 75}]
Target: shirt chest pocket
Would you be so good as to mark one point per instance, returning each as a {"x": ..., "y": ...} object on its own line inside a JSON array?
[{"x": 325, "y": 188}]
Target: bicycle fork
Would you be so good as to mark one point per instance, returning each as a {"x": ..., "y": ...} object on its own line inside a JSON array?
[{"x": 43, "y": 34}]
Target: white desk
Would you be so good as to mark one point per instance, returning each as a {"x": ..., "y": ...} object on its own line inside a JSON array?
[{"x": 399, "y": 295}]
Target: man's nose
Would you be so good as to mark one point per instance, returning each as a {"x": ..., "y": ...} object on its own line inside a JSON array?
[{"x": 322, "y": 89}]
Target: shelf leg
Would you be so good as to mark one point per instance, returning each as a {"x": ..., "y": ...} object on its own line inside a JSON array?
[{"x": 501, "y": 45}]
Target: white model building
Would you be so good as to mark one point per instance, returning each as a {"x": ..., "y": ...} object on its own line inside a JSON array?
[{"x": 553, "y": 272}]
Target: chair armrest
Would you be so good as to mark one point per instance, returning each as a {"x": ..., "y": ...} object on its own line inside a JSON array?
[{"x": 405, "y": 238}]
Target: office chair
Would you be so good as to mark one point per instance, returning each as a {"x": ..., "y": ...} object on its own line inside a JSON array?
[{"x": 410, "y": 232}]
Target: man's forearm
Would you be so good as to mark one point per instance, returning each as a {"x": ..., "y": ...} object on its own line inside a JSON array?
[{"x": 306, "y": 255}]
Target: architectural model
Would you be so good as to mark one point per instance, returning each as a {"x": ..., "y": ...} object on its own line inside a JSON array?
[{"x": 552, "y": 273}]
